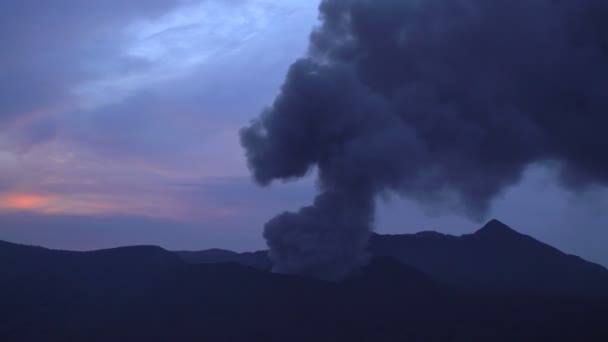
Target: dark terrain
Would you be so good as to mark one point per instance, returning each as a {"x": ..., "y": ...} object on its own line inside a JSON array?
[
  {"x": 496, "y": 258},
  {"x": 494, "y": 285}
]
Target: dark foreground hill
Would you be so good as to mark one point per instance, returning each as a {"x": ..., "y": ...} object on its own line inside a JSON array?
[
  {"x": 496, "y": 258},
  {"x": 149, "y": 294}
]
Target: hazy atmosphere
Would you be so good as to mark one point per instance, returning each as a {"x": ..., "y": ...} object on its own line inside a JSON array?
[{"x": 120, "y": 120}]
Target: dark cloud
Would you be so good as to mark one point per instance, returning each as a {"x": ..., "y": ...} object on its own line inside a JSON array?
[
  {"x": 147, "y": 126},
  {"x": 170, "y": 123},
  {"x": 97, "y": 77},
  {"x": 47, "y": 48},
  {"x": 437, "y": 100}
]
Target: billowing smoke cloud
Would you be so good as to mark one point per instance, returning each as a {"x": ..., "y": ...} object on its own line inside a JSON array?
[{"x": 432, "y": 99}]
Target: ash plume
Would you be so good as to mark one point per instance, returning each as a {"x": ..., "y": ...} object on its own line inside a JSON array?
[{"x": 430, "y": 99}]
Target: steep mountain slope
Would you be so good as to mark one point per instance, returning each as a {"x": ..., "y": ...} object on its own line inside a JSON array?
[{"x": 495, "y": 258}]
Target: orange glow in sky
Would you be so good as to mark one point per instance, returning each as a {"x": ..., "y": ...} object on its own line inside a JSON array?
[
  {"x": 150, "y": 206},
  {"x": 50, "y": 204},
  {"x": 24, "y": 202}
]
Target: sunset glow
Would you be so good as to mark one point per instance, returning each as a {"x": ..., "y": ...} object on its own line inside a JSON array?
[
  {"x": 48, "y": 204},
  {"x": 25, "y": 202},
  {"x": 154, "y": 206}
]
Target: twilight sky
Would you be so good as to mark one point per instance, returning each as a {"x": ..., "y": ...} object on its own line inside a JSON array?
[{"x": 119, "y": 125}]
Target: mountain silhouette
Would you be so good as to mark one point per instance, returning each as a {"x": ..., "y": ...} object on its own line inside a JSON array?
[
  {"x": 494, "y": 258},
  {"x": 146, "y": 293}
]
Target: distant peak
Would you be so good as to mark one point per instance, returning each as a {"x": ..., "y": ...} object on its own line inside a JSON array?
[{"x": 496, "y": 228}]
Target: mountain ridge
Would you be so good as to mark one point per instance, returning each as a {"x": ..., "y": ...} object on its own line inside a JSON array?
[
  {"x": 494, "y": 258},
  {"x": 147, "y": 293}
]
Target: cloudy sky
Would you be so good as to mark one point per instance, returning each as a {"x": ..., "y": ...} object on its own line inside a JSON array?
[{"x": 119, "y": 125}]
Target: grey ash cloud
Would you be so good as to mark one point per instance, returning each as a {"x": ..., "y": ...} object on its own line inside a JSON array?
[{"x": 437, "y": 100}]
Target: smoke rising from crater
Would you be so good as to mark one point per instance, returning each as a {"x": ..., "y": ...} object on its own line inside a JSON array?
[{"x": 434, "y": 100}]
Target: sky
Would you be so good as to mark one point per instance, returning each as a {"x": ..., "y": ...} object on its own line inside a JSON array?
[{"x": 119, "y": 125}]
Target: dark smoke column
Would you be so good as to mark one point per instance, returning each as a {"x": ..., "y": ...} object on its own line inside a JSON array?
[
  {"x": 444, "y": 101},
  {"x": 325, "y": 118}
]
